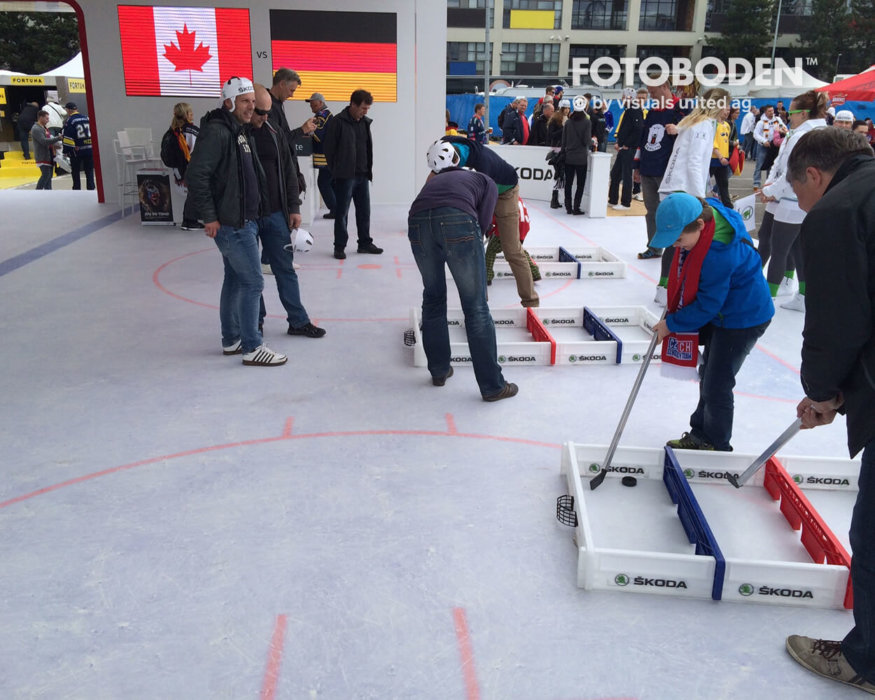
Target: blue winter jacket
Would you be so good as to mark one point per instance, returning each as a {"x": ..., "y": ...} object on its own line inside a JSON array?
[{"x": 733, "y": 293}]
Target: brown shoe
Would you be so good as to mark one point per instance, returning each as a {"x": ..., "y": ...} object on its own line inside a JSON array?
[
  {"x": 510, "y": 389},
  {"x": 825, "y": 658}
]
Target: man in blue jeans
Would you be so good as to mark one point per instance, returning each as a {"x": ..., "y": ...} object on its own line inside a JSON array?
[
  {"x": 284, "y": 207},
  {"x": 831, "y": 172},
  {"x": 225, "y": 179},
  {"x": 445, "y": 225},
  {"x": 349, "y": 152}
]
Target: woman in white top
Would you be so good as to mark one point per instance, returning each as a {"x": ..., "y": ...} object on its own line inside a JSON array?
[
  {"x": 689, "y": 166},
  {"x": 782, "y": 220}
]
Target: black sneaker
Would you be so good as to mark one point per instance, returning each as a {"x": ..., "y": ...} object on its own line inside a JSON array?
[
  {"x": 370, "y": 248},
  {"x": 191, "y": 225},
  {"x": 339, "y": 254},
  {"x": 309, "y": 330},
  {"x": 440, "y": 381},
  {"x": 329, "y": 215}
]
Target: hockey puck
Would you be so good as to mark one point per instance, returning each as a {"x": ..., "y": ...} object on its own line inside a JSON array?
[{"x": 629, "y": 481}]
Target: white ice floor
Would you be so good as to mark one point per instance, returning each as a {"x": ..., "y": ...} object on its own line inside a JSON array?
[{"x": 176, "y": 525}]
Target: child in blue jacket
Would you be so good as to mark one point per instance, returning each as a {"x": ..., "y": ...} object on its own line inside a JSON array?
[{"x": 716, "y": 288}]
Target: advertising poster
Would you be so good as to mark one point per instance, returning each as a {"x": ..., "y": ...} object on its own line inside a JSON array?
[{"x": 153, "y": 188}]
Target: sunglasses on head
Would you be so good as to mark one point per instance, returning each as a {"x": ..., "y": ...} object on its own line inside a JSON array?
[{"x": 262, "y": 112}]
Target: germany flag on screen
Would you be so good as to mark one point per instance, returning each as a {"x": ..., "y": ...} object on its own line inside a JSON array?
[{"x": 336, "y": 53}]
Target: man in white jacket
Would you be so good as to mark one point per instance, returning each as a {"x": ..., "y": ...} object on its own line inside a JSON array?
[{"x": 764, "y": 134}]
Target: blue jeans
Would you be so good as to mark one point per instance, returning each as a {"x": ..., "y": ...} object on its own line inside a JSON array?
[
  {"x": 355, "y": 190},
  {"x": 724, "y": 353},
  {"x": 274, "y": 233},
  {"x": 450, "y": 236},
  {"x": 324, "y": 182},
  {"x": 241, "y": 289},
  {"x": 45, "y": 178},
  {"x": 859, "y": 646}
]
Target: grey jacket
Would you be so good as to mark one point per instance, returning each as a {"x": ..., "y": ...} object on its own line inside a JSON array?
[{"x": 42, "y": 144}]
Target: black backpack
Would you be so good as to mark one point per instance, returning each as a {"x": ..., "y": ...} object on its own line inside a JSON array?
[{"x": 171, "y": 153}]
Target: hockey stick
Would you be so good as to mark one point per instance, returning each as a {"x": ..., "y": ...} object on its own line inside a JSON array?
[
  {"x": 596, "y": 481},
  {"x": 782, "y": 440}
]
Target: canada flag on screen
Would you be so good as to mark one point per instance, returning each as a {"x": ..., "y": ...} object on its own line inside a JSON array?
[{"x": 183, "y": 51}]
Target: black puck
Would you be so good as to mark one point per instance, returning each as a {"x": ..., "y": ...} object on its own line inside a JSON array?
[{"x": 629, "y": 481}]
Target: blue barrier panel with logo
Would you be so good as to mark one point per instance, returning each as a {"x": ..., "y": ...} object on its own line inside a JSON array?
[{"x": 693, "y": 520}]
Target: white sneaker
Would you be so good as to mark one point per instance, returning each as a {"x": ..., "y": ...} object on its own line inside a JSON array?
[
  {"x": 296, "y": 266},
  {"x": 263, "y": 356},
  {"x": 795, "y": 303},
  {"x": 786, "y": 287},
  {"x": 265, "y": 269},
  {"x": 638, "y": 196},
  {"x": 233, "y": 349},
  {"x": 620, "y": 207},
  {"x": 661, "y": 298}
]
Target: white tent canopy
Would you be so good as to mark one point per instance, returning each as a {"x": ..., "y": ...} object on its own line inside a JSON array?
[
  {"x": 71, "y": 69},
  {"x": 764, "y": 85}
]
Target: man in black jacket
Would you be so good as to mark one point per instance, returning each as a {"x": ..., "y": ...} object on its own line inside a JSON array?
[
  {"x": 628, "y": 137},
  {"x": 282, "y": 214},
  {"x": 226, "y": 181},
  {"x": 349, "y": 151},
  {"x": 832, "y": 173},
  {"x": 538, "y": 137},
  {"x": 26, "y": 120}
]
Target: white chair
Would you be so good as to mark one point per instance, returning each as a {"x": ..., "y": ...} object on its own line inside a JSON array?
[{"x": 133, "y": 151}]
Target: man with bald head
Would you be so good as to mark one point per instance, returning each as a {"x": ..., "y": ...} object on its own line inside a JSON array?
[{"x": 280, "y": 213}]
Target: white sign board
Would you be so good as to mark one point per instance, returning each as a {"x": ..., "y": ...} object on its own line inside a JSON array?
[{"x": 536, "y": 177}]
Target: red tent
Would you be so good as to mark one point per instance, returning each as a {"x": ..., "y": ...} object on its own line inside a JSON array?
[{"x": 857, "y": 88}]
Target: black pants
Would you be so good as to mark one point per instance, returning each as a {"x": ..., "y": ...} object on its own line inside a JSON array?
[
  {"x": 572, "y": 172},
  {"x": 621, "y": 172},
  {"x": 721, "y": 177}
]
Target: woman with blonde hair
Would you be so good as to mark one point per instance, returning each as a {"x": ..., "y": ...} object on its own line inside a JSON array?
[
  {"x": 182, "y": 125},
  {"x": 689, "y": 166}
]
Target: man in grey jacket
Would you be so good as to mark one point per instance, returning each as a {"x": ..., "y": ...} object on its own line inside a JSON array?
[
  {"x": 226, "y": 181},
  {"x": 43, "y": 149}
]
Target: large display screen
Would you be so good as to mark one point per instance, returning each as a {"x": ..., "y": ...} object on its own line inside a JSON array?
[
  {"x": 183, "y": 51},
  {"x": 336, "y": 53}
]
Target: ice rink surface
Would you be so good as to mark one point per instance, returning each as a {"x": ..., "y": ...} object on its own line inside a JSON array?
[{"x": 176, "y": 525}]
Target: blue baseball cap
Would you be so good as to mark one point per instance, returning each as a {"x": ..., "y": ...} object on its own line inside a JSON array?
[{"x": 675, "y": 212}]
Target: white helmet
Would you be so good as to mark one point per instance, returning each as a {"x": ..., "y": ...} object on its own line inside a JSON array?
[
  {"x": 564, "y": 103},
  {"x": 579, "y": 103},
  {"x": 302, "y": 241},
  {"x": 236, "y": 86},
  {"x": 441, "y": 155}
]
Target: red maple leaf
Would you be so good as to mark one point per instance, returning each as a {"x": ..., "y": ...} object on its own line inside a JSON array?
[{"x": 185, "y": 56}]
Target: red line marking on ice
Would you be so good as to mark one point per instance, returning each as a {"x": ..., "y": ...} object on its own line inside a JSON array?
[
  {"x": 777, "y": 359},
  {"x": 287, "y": 431},
  {"x": 264, "y": 441},
  {"x": 451, "y": 424},
  {"x": 274, "y": 659},
  {"x": 472, "y": 690},
  {"x": 157, "y": 282},
  {"x": 369, "y": 267}
]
